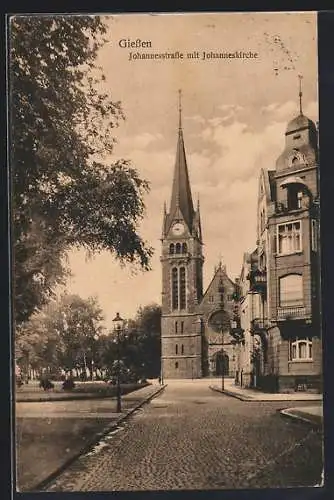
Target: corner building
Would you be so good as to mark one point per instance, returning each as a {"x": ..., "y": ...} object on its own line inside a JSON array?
[{"x": 284, "y": 274}]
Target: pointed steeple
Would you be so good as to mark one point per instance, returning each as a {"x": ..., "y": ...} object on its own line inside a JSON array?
[{"x": 181, "y": 193}]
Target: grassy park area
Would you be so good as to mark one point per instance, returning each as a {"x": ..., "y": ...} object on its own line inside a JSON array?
[
  {"x": 82, "y": 390},
  {"x": 50, "y": 433}
]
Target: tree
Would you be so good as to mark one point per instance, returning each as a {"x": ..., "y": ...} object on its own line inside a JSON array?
[
  {"x": 63, "y": 335},
  {"x": 65, "y": 192},
  {"x": 142, "y": 349}
]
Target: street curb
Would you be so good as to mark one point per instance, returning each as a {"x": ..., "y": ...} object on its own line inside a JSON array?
[
  {"x": 314, "y": 423},
  {"x": 43, "y": 484},
  {"x": 250, "y": 399},
  {"x": 232, "y": 394}
]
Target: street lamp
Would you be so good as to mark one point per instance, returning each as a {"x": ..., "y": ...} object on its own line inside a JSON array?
[{"x": 118, "y": 327}]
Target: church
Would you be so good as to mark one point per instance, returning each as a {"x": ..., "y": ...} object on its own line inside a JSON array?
[
  {"x": 264, "y": 329},
  {"x": 196, "y": 339}
]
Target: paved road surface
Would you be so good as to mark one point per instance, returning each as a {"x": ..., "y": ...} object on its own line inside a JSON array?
[{"x": 194, "y": 438}]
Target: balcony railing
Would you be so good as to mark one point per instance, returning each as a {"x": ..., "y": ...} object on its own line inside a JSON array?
[
  {"x": 257, "y": 279},
  {"x": 293, "y": 312}
]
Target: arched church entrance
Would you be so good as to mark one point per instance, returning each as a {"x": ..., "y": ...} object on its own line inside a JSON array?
[{"x": 222, "y": 363}]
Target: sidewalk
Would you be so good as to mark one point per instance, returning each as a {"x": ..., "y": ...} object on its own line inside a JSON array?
[
  {"x": 52, "y": 435},
  {"x": 254, "y": 395},
  {"x": 310, "y": 414}
]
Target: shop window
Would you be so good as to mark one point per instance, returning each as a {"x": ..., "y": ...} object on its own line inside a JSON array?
[
  {"x": 301, "y": 350},
  {"x": 291, "y": 290}
]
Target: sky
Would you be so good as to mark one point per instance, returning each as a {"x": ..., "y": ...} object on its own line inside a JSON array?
[{"x": 235, "y": 113}]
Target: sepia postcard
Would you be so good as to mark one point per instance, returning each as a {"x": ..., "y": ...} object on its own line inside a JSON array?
[{"x": 165, "y": 220}]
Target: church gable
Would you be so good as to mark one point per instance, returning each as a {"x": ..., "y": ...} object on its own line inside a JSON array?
[{"x": 219, "y": 293}]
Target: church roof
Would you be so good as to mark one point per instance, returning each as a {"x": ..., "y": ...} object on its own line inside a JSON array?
[{"x": 181, "y": 192}]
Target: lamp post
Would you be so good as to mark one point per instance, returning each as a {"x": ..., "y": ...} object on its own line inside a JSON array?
[
  {"x": 96, "y": 338},
  {"x": 118, "y": 326},
  {"x": 223, "y": 361}
]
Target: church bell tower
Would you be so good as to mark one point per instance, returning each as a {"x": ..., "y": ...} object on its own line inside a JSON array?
[{"x": 182, "y": 276}]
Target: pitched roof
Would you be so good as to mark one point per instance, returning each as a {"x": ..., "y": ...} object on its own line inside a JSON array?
[{"x": 181, "y": 192}]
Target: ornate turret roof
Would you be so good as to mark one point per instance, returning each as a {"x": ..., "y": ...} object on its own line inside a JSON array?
[
  {"x": 300, "y": 141},
  {"x": 298, "y": 123}
]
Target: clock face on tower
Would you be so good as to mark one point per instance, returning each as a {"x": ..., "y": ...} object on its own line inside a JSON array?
[{"x": 178, "y": 229}]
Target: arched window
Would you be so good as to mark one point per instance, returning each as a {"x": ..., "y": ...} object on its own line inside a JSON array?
[
  {"x": 295, "y": 197},
  {"x": 182, "y": 288},
  {"x": 175, "y": 289},
  {"x": 182, "y": 349},
  {"x": 176, "y": 349},
  {"x": 176, "y": 327},
  {"x": 184, "y": 248},
  {"x": 291, "y": 290},
  {"x": 182, "y": 326},
  {"x": 171, "y": 248},
  {"x": 178, "y": 248}
]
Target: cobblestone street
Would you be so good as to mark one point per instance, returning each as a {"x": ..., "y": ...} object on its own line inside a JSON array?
[{"x": 193, "y": 438}]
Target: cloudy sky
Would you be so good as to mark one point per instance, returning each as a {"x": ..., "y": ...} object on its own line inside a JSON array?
[{"x": 234, "y": 117}]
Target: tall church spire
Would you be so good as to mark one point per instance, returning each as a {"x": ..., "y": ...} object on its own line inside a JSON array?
[{"x": 181, "y": 193}]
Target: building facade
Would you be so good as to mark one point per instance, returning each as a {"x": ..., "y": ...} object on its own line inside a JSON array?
[
  {"x": 284, "y": 271},
  {"x": 264, "y": 328}
]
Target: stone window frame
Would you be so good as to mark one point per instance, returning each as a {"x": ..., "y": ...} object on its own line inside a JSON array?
[
  {"x": 293, "y": 233},
  {"x": 178, "y": 288},
  {"x": 295, "y": 352},
  {"x": 294, "y": 302}
]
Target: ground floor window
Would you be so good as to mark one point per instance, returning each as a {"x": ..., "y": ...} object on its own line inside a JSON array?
[{"x": 301, "y": 349}]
